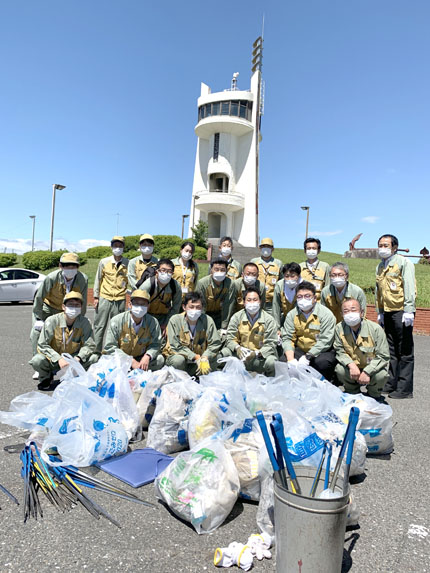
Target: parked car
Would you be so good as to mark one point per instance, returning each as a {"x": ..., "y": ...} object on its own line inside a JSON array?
[{"x": 19, "y": 284}]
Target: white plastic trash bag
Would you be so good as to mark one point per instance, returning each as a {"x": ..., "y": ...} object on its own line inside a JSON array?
[
  {"x": 200, "y": 486},
  {"x": 31, "y": 411},
  {"x": 167, "y": 431},
  {"x": 85, "y": 430},
  {"x": 215, "y": 410}
]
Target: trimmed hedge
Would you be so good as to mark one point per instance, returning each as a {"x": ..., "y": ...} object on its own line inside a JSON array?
[
  {"x": 8, "y": 259},
  {"x": 43, "y": 260},
  {"x": 97, "y": 252}
]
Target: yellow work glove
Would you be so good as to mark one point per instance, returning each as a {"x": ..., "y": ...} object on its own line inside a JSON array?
[{"x": 204, "y": 366}]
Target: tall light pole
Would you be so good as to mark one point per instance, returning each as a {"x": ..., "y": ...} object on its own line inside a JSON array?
[
  {"x": 34, "y": 224},
  {"x": 183, "y": 221},
  {"x": 307, "y": 219},
  {"x": 117, "y": 223},
  {"x": 55, "y": 186}
]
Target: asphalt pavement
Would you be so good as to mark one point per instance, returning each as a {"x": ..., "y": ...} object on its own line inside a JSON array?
[{"x": 393, "y": 498}]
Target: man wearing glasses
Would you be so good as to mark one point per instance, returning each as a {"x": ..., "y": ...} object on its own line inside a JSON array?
[
  {"x": 340, "y": 289},
  {"x": 308, "y": 332}
]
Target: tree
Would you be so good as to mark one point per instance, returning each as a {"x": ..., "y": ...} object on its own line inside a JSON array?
[{"x": 201, "y": 234}]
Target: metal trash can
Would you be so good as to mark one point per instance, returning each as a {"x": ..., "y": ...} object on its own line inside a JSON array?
[{"x": 309, "y": 532}]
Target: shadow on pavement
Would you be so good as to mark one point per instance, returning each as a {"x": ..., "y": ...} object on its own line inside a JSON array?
[{"x": 347, "y": 559}]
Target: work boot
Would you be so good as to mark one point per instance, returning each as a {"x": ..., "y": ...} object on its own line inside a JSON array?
[
  {"x": 387, "y": 389},
  {"x": 400, "y": 395},
  {"x": 45, "y": 385}
]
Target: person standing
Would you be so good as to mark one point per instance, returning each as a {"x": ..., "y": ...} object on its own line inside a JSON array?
[
  {"x": 110, "y": 288},
  {"x": 248, "y": 279},
  {"x": 234, "y": 268},
  {"x": 269, "y": 270},
  {"x": 395, "y": 305},
  {"x": 138, "y": 265},
  {"x": 186, "y": 271},
  {"x": 340, "y": 289},
  {"x": 314, "y": 270},
  {"x": 217, "y": 292},
  {"x": 284, "y": 297}
]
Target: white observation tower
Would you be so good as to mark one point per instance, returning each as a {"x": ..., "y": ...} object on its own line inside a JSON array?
[{"x": 225, "y": 187}]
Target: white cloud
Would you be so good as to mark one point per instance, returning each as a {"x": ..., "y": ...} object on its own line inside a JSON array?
[
  {"x": 324, "y": 233},
  {"x": 371, "y": 219},
  {"x": 20, "y": 246}
]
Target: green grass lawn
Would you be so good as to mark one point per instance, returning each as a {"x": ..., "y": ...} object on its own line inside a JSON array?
[{"x": 362, "y": 272}]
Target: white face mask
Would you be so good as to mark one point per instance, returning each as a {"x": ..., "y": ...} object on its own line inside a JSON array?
[
  {"x": 117, "y": 251},
  {"x": 338, "y": 282},
  {"x": 384, "y": 252},
  {"x": 352, "y": 318},
  {"x": 311, "y": 253},
  {"x": 291, "y": 283},
  {"x": 194, "y": 314},
  {"x": 164, "y": 278},
  {"x": 305, "y": 304},
  {"x": 266, "y": 252},
  {"x": 73, "y": 311},
  {"x": 186, "y": 255},
  {"x": 139, "y": 310},
  {"x": 146, "y": 250},
  {"x": 219, "y": 276},
  {"x": 69, "y": 273},
  {"x": 226, "y": 251},
  {"x": 249, "y": 280},
  {"x": 252, "y": 307}
]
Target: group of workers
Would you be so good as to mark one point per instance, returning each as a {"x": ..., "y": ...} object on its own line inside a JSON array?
[{"x": 306, "y": 313}]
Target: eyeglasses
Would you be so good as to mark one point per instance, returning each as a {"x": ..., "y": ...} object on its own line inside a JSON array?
[
  {"x": 305, "y": 296},
  {"x": 338, "y": 276}
]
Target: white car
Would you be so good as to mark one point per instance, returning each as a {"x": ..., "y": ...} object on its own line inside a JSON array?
[{"x": 19, "y": 284}]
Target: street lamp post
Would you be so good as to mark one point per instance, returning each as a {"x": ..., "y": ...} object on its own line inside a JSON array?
[
  {"x": 34, "y": 224},
  {"x": 183, "y": 221},
  {"x": 307, "y": 219},
  {"x": 194, "y": 210},
  {"x": 55, "y": 186}
]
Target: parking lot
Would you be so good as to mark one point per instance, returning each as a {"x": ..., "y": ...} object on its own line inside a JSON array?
[{"x": 393, "y": 498}]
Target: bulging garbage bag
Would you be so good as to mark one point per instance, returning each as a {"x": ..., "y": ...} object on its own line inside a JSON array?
[
  {"x": 168, "y": 432},
  {"x": 201, "y": 486}
]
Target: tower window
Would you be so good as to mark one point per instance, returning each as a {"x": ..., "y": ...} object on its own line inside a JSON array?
[{"x": 216, "y": 147}]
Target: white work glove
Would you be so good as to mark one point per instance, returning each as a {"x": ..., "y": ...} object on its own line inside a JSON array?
[
  {"x": 243, "y": 353},
  {"x": 235, "y": 554},
  {"x": 279, "y": 340},
  {"x": 203, "y": 366},
  {"x": 381, "y": 319},
  {"x": 408, "y": 318},
  {"x": 292, "y": 363},
  {"x": 222, "y": 333},
  {"x": 304, "y": 360},
  {"x": 260, "y": 545},
  {"x": 38, "y": 325}
]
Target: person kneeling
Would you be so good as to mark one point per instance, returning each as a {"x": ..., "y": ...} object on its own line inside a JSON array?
[
  {"x": 361, "y": 352},
  {"x": 308, "y": 332},
  {"x": 67, "y": 332},
  {"x": 193, "y": 341},
  {"x": 252, "y": 335},
  {"x": 137, "y": 334}
]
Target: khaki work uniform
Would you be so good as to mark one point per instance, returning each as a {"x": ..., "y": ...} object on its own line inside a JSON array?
[
  {"x": 234, "y": 269},
  {"x": 318, "y": 275},
  {"x": 312, "y": 335},
  {"x": 165, "y": 300},
  {"x": 240, "y": 288},
  {"x": 269, "y": 272},
  {"x": 186, "y": 275},
  {"x": 260, "y": 336},
  {"x": 122, "y": 336},
  {"x": 182, "y": 345},
  {"x": 281, "y": 306},
  {"x": 368, "y": 349},
  {"x": 56, "y": 338},
  {"x": 136, "y": 268},
  {"x": 395, "y": 294},
  {"x": 218, "y": 300},
  {"x": 331, "y": 299},
  {"x": 110, "y": 287},
  {"x": 49, "y": 298}
]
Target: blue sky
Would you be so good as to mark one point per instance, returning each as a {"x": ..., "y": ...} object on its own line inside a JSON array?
[{"x": 101, "y": 96}]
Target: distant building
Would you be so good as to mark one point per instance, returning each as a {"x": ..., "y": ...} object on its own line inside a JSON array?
[{"x": 225, "y": 187}]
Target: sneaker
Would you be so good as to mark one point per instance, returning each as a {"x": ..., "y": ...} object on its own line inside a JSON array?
[
  {"x": 36, "y": 376},
  {"x": 387, "y": 390},
  {"x": 400, "y": 395}
]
